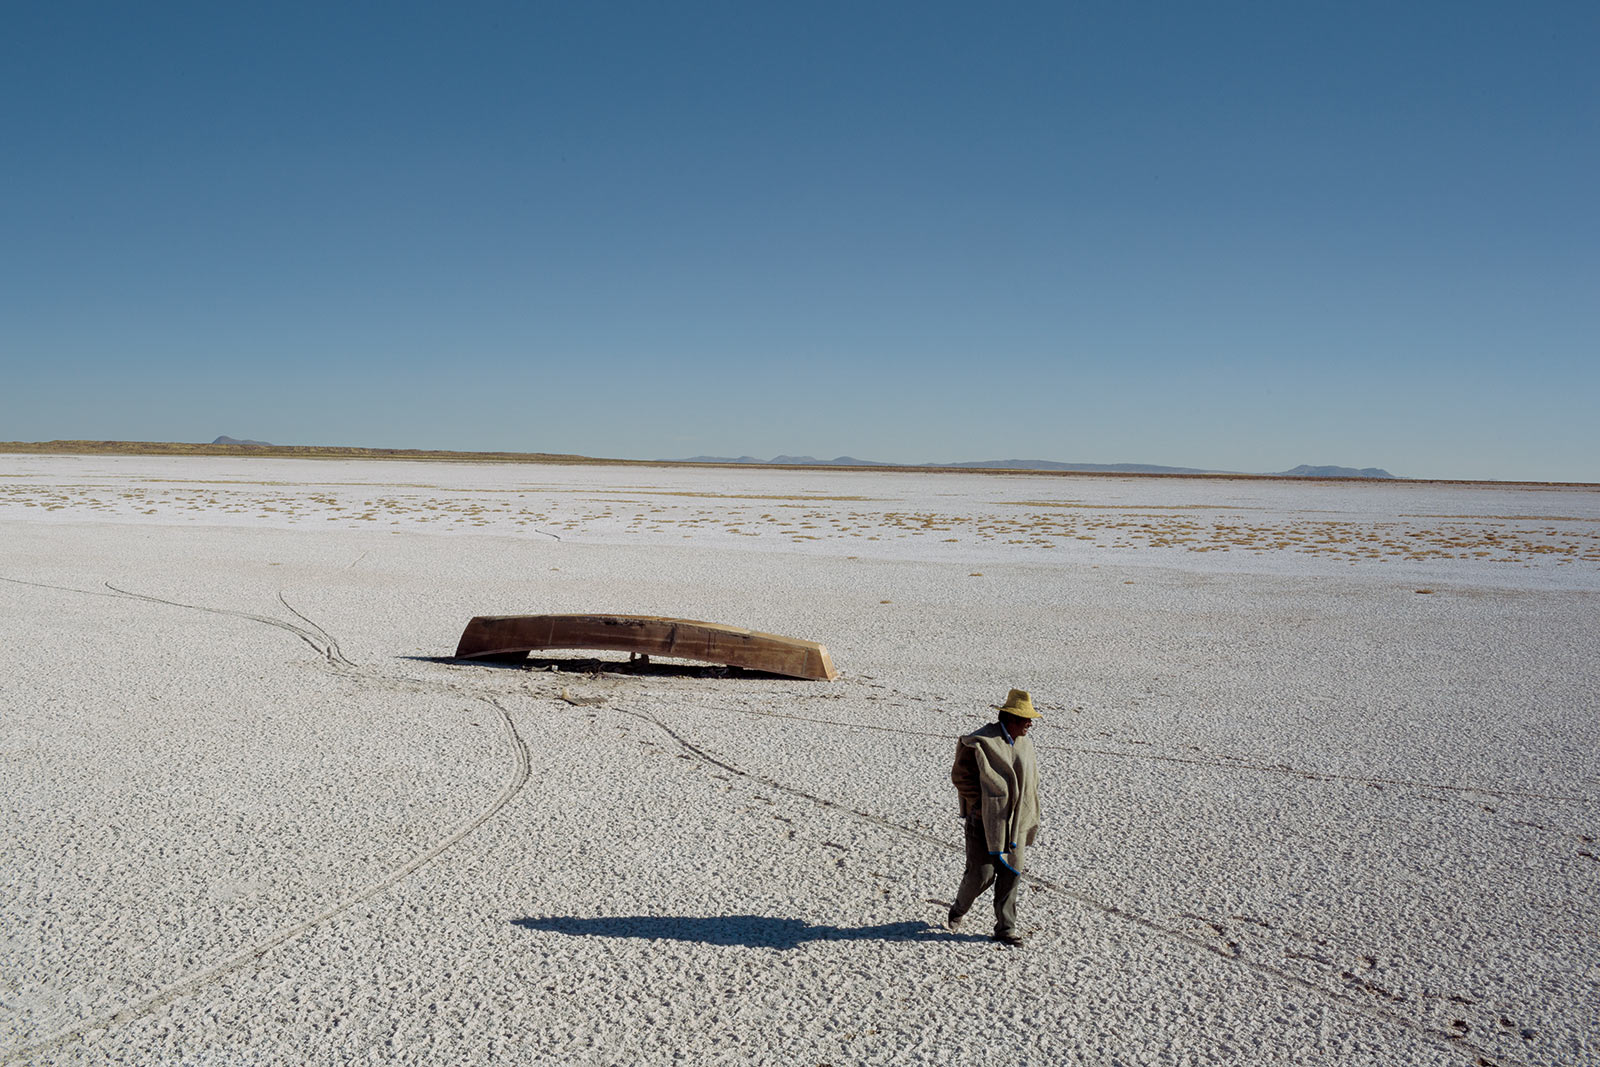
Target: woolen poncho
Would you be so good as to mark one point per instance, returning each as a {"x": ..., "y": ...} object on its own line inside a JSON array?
[{"x": 999, "y": 784}]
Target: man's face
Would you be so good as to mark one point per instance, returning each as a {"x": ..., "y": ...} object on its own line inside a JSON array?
[{"x": 1019, "y": 727}]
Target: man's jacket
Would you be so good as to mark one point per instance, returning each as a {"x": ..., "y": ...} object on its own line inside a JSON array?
[{"x": 998, "y": 783}]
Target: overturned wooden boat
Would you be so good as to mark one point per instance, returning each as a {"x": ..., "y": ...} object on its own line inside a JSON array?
[{"x": 503, "y": 636}]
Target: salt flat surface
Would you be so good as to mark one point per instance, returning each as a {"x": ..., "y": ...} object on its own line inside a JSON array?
[{"x": 1321, "y": 767}]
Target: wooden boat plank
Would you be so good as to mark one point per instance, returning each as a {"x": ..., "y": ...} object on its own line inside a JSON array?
[{"x": 653, "y": 635}]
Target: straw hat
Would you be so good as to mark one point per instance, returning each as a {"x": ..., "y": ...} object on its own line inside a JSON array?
[{"x": 1018, "y": 703}]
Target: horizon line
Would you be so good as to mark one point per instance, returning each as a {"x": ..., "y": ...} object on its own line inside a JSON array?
[{"x": 265, "y": 451}]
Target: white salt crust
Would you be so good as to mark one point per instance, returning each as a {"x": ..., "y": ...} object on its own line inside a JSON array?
[{"x": 1296, "y": 810}]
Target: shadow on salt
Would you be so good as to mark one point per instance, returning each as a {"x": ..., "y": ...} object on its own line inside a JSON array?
[{"x": 751, "y": 931}]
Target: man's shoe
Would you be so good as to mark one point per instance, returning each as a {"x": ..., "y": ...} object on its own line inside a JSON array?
[
  {"x": 955, "y": 921},
  {"x": 1012, "y": 939}
]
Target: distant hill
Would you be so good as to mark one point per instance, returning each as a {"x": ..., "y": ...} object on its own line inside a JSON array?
[
  {"x": 231, "y": 446},
  {"x": 1302, "y": 471},
  {"x": 837, "y": 461},
  {"x": 1306, "y": 471},
  {"x": 983, "y": 464},
  {"x": 785, "y": 461},
  {"x": 1096, "y": 468}
]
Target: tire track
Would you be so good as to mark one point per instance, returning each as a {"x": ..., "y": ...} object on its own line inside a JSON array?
[
  {"x": 1205, "y": 761},
  {"x": 520, "y": 771},
  {"x": 1441, "y": 1038},
  {"x": 310, "y": 637},
  {"x": 62, "y": 588},
  {"x": 325, "y": 644},
  {"x": 328, "y": 648},
  {"x": 335, "y": 653}
]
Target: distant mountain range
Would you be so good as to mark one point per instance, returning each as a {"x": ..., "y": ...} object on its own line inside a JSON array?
[
  {"x": 1302, "y": 471},
  {"x": 786, "y": 461},
  {"x": 1092, "y": 468}
]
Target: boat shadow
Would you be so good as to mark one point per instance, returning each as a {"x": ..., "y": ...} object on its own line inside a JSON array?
[{"x": 749, "y": 931}]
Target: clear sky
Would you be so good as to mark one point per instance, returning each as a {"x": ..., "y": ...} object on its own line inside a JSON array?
[{"x": 1233, "y": 235}]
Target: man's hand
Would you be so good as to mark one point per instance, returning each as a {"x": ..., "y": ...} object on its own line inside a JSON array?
[{"x": 1000, "y": 857}]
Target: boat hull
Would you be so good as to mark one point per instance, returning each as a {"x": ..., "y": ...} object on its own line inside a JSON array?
[{"x": 502, "y": 636}]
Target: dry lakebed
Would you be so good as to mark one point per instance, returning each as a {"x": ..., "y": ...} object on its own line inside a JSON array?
[{"x": 1321, "y": 768}]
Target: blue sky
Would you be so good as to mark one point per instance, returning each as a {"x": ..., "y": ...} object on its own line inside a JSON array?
[{"x": 1234, "y": 236}]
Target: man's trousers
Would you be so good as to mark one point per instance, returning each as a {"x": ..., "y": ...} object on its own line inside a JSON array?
[{"x": 984, "y": 870}]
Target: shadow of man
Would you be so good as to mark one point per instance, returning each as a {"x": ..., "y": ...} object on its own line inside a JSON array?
[{"x": 751, "y": 931}]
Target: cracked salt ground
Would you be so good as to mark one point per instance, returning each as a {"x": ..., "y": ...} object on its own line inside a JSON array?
[{"x": 1289, "y": 819}]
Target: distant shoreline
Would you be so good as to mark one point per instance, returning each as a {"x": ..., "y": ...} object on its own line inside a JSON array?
[{"x": 181, "y": 449}]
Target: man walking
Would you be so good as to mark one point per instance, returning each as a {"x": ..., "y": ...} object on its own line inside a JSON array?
[{"x": 998, "y": 782}]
